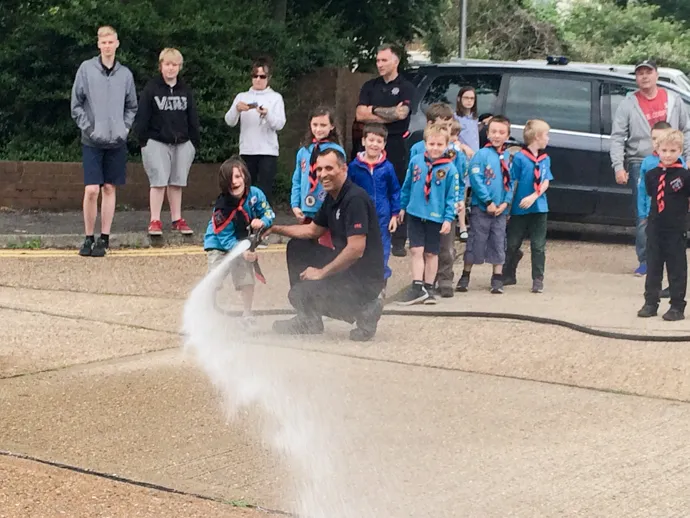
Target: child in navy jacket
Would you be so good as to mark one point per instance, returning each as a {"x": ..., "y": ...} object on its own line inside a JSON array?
[
  {"x": 492, "y": 194},
  {"x": 428, "y": 201},
  {"x": 376, "y": 175}
]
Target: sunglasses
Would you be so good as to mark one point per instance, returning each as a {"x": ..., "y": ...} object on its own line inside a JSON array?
[{"x": 259, "y": 76}]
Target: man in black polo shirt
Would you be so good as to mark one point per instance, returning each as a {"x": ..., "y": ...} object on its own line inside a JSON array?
[
  {"x": 344, "y": 283},
  {"x": 386, "y": 99}
]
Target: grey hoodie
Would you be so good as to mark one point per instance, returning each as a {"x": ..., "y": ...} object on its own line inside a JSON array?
[
  {"x": 103, "y": 106},
  {"x": 631, "y": 136}
]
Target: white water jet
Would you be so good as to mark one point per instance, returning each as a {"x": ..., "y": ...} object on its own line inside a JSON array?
[{"x": 252, "y": 374}]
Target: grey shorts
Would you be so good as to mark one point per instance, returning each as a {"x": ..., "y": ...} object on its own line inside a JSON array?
[
  {"x": 167, "y": 164},
  {"x": 242, "y": 271},
  {"x": 487, "y": 238}
]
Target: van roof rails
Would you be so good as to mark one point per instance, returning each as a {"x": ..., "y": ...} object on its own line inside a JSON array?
[{"x": 557, "y": 60}]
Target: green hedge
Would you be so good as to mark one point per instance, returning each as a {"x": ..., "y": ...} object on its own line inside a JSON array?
[{"x": 44, "y": 43}]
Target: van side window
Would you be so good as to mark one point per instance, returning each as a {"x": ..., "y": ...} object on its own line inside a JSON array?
[
  {"x": 618, "y": 92},
  {"x": 445, "y": 88},
  {"x": 566, "y": 104}
]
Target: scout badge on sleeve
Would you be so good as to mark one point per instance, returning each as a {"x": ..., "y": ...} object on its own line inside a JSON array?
[
  {"x": 310, "y": 201},
  {"x": 254, "y": 240}
]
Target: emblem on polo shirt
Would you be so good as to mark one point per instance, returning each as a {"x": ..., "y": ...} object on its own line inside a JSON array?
[
  {"x": 676, "y": 184},
  {"x": 310, "y": 201},
  {"x": 395, "y": 90},
  {"x": 337, "y": 214}
]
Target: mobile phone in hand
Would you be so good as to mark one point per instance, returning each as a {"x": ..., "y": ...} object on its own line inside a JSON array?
[{"x": 253, "y": 105}]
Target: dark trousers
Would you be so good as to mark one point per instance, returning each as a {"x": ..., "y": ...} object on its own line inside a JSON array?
[
  {"x": 340, "y": 296},
  {"x": 397, "y": 154},
  {"x": 262, "y": 169},
  {"x": 446, "y": 258},
  {"x": 532, "y": 226},
  {"x": 670, "y": 248}
]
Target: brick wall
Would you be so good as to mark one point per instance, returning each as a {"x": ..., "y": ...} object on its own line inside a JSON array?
[{"x": 60, "y": 186}]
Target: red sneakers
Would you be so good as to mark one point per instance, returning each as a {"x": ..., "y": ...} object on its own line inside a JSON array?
[
  {"x": 156, "y": 228},
  {"x": 181, "y": 226}
]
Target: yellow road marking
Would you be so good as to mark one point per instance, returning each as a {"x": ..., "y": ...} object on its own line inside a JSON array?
[{"x": 131, "y": 252}]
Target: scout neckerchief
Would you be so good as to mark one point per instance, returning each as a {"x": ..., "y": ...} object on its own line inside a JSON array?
[
  {"x": 229, "y": 208},
  {"x": 429, "y": 175},
  {"x": 505, "y": 170},
  {"x": 313, "y": 180},
  {"x": 661, "y": 187},
  {"x": 536, "y": 160}
]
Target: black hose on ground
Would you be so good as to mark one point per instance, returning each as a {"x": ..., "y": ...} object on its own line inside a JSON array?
[{"x": 500, "y": 316}]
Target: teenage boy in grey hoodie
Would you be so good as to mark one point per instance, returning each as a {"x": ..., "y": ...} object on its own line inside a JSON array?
[
  {"x": 104, "y": 103},
  {"x": 631, "y": 136}
]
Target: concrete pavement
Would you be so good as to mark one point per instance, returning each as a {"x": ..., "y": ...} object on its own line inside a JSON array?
[{"x": 437, "y": 417}]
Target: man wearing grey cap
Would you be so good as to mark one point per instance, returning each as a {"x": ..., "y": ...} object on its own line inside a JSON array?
[{"x": 631, "y": 136}]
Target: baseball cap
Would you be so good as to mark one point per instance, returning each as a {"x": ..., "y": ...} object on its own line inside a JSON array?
[{"x": 647, "y": 63}]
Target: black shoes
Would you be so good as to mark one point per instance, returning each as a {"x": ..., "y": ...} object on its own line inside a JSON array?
[
  {"x": 647, "y": 311},
  {"x": 86, "y": 247},
  {"x": 367, "y": 321},
  {"x": 91, "y": 249},
  {"x": 414, "y": 294},
  {"x": 673, "y": 315}
]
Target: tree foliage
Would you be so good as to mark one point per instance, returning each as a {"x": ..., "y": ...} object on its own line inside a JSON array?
[
  {"x": 376, "y": 21},
  {"x": 44, "y": 43},
  {"x": 602, "y": 32}
]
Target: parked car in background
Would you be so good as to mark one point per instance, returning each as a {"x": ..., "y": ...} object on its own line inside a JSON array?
[
  {"x": 578, "y": 103},
  {"x": 666, "y": 75}
]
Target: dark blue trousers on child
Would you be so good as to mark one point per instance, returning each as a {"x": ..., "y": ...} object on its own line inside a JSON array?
[{"x": 386, "y": 240}]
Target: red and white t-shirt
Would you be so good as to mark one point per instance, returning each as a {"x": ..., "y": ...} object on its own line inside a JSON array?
[{"x": 654, "y": 109}]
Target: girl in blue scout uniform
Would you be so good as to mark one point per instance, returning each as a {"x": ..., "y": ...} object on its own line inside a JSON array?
[
  {"x": 307, "y": 195},
  {"x": 492, "y": 194},
  {"x": 531, "y": 172},
  {"x": 428, "y": 197},
  {"x": 239, "y": 207},
  {"x": 376, "y": 175}
]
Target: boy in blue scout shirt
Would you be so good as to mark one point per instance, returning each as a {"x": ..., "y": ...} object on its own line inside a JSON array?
[
  {"x": 428, "y": 199},
  {"x": 531, "y": 172},
  {"x": 239, "y": 207},
  {"x": 376, "y": 175},
  {"x": 441, "y": 114},
  {"x": 307, "y": 195},
  {"x": 644, "y": 201},
  {"x": 492, "y": 193}
]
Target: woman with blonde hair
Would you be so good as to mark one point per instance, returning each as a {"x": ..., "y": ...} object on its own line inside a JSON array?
[{"x": 167, "y": 125}]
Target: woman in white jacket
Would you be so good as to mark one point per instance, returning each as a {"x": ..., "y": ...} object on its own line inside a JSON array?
[{"x": 261, "y": 114}]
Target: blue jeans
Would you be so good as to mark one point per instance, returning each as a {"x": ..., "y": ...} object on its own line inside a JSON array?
[{"x": 641, "y": 227}]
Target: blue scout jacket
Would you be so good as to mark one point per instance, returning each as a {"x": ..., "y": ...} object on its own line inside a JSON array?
[
  {"x": 527, "y": 171},
  {"x": 459, "y": 160},
  {"x": 490, "y": 179},
  {"x": 380, "y": 182},
  {"x": 644, "y": 201},
  {"x": 308, "y": 195},
  {"x": 255, "y": 206},
  {"x": 430, "y": 196}
]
